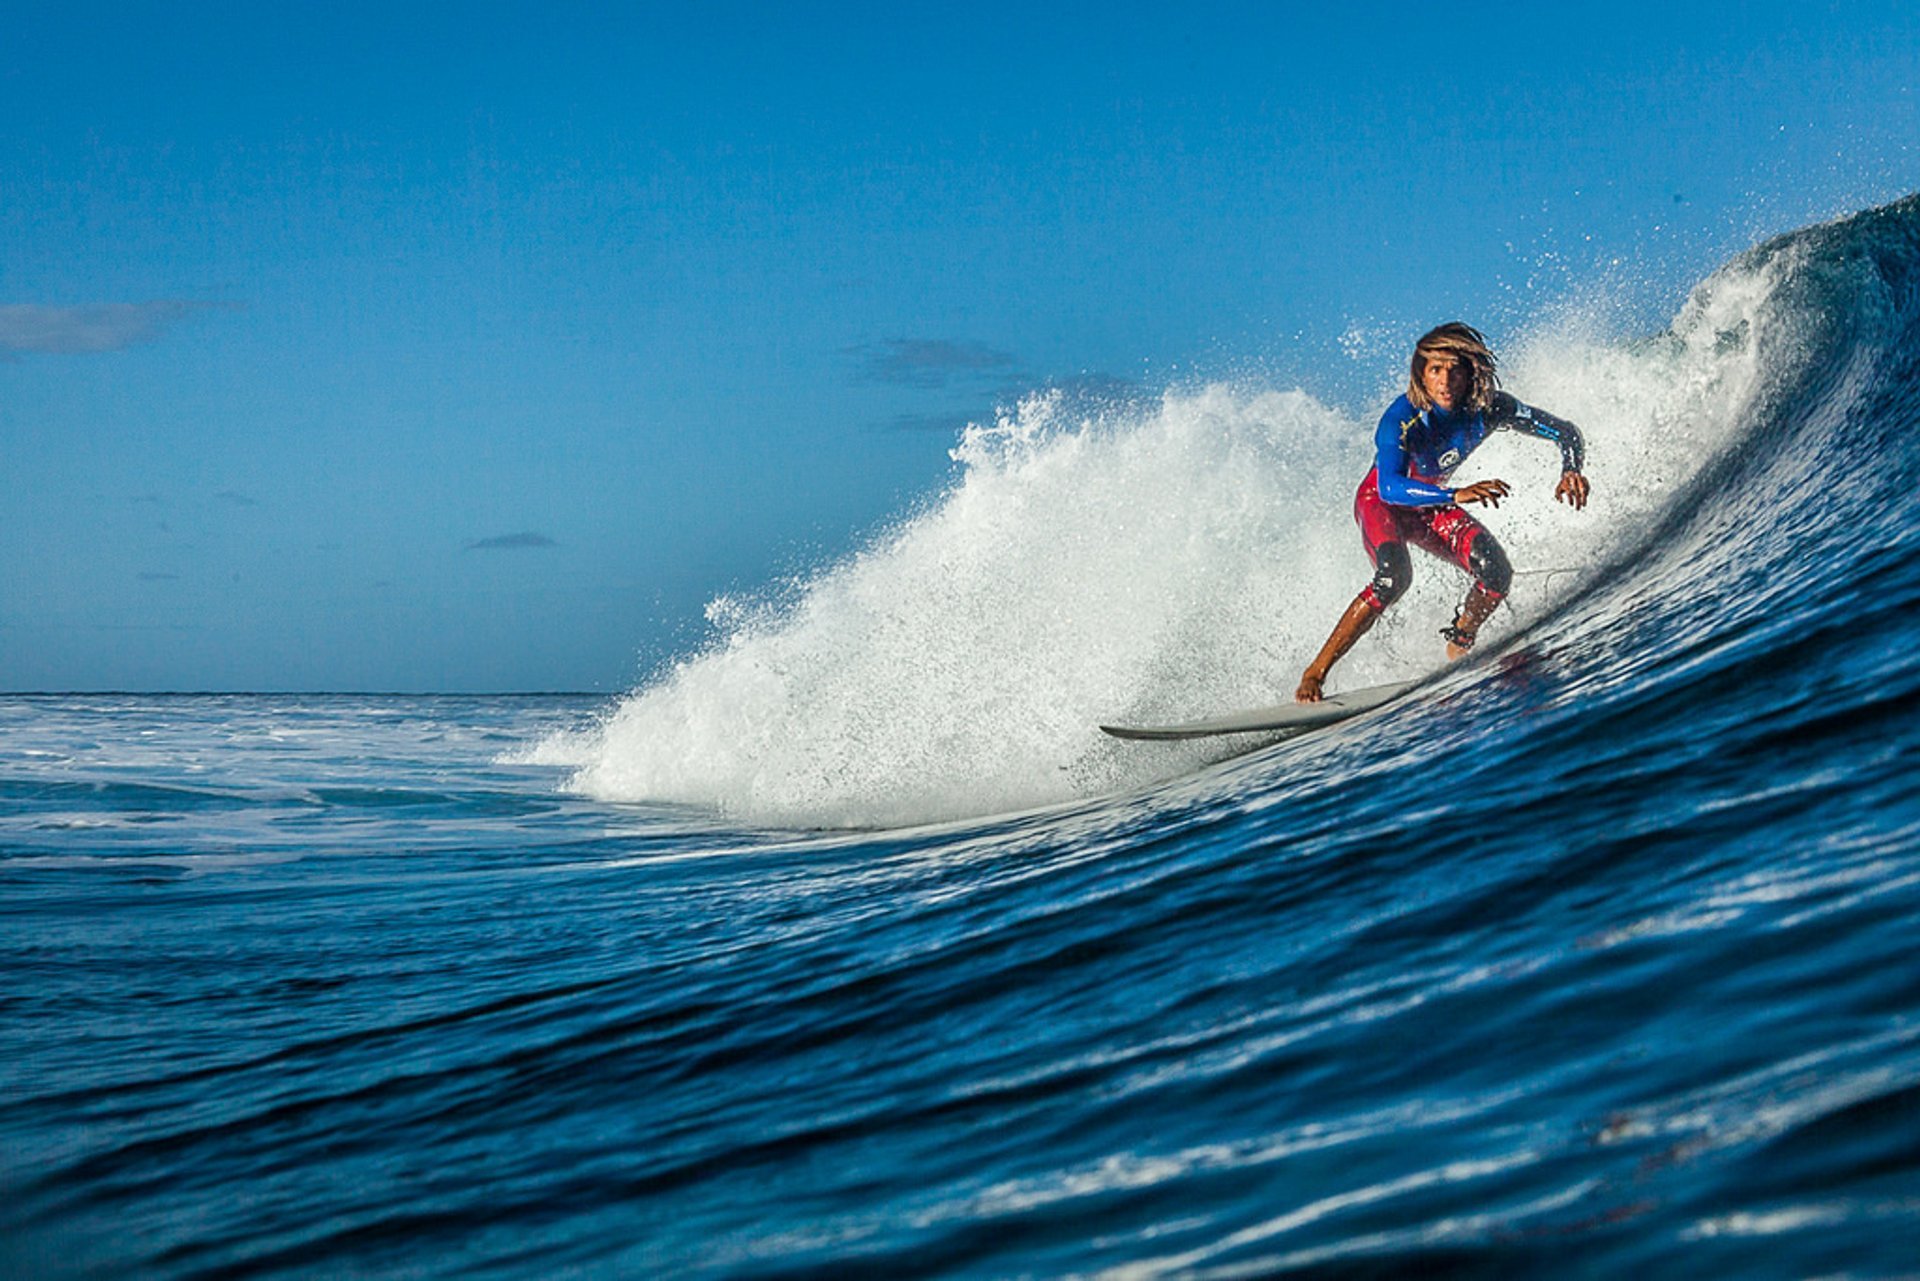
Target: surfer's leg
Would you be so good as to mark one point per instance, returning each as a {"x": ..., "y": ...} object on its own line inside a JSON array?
[
  {"x": 1352, "y": 626},
  {"x": 1383, "y": 532},
  {"x": 1487, "y": 562},
  {"x": 1392, "y": 571},
  {"x": 1469, "y": 545},
  {"x": 1380, "y": 533},
  {"x": 1478, "y": 607}
]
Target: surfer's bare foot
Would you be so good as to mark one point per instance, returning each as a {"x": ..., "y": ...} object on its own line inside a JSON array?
[
  {"x": 1456, "y": 651},
  {"x": 1309, "y": 691}
]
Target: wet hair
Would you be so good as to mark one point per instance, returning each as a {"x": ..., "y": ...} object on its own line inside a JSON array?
[{"x": 1466, "y": 344}]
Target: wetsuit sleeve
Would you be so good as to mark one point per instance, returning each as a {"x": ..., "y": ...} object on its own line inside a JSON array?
[
  {"x": 1511, "y": 415},
  {"x": 1396, "y": 487}
]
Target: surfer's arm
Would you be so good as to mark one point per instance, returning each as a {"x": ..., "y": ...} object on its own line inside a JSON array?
[
  {"x": 1396, "y": 486},
  {"x": 1514, "y": 415}
]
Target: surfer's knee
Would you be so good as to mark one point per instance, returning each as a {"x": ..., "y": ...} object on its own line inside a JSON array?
[
  {"x": 1487, "y": 562},
  {"x": 1392, "y": 572}
]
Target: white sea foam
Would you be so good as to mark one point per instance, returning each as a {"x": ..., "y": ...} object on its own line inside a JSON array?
[{"x": 1168, "y": 560}]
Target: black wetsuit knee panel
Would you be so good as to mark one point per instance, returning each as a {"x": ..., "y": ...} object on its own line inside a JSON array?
[
  {"x": 1488, "y": 564},
  {"x": 1392, "y": 572}
]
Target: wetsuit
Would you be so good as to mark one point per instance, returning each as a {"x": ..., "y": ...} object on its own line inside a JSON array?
[{"x": 1404, "y": 499}]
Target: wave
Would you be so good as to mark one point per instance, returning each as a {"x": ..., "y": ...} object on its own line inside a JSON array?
[{"x": 1187, "y": 554}]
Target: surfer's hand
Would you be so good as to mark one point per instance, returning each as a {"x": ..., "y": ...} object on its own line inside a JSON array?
[
  {"x": 1309, "y": 691},
  {"x": 1572, "y": 489},
  {"x": 1489, "y": 492}
]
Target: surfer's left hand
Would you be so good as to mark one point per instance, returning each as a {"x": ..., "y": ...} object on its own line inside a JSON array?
[{"x": 1572, "y": 489}]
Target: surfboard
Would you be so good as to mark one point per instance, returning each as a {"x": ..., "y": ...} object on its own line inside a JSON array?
[{"x": 1285, "y": 716}]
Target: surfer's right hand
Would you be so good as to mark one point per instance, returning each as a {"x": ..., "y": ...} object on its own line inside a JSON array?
[
  {"x": 1309, "y": 691},
  {"x": 1489, "y": 492}
]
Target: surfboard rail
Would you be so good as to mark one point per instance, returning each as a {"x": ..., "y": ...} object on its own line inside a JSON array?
[{"x": 1282, "y": 716}]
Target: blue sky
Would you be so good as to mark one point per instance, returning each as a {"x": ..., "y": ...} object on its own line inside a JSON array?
[{"x": 476, "y": 347}]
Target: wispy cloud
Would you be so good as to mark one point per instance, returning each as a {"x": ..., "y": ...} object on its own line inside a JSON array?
[
  {"x": 151, "y": 576},
  {"x": 511, "y": 542},
  {"x": 234, "y": 498},
  {"x": 926, "y": 362},
  {"x": 104, "y": 326},
  {"x": 1091, "y": 393}
]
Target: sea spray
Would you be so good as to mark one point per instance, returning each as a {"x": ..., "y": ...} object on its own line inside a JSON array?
[{"x": 1167, "y": 558}]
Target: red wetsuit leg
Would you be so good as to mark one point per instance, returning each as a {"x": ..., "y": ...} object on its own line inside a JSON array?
[
  {"x": 1450, "y": 533},
  {"x": 1381, "y": 524},
  {"x": 1447, "y": 532}
]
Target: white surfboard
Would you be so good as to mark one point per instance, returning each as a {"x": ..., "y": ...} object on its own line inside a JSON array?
[{"x": 1285, "y": 716}]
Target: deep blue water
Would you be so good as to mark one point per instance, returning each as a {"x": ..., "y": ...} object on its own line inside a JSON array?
[{"x": 1595, "y": 956}]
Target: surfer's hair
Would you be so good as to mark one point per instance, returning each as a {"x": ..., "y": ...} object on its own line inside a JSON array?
[{"x": 1464, "y": 343}]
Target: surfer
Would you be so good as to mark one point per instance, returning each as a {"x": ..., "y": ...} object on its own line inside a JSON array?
[{"x": 1453, "y": 402}]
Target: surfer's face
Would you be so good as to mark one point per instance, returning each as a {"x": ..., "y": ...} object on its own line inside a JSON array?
[{"x": 1445, "y": 379}]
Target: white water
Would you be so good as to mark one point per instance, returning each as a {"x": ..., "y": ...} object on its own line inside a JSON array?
[{"x": 1176, "y": 560}]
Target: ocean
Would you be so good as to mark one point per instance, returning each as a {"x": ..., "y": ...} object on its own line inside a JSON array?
[{"x": 847, "y": 946}]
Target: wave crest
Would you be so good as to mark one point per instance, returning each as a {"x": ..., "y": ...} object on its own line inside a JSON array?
[{"x": 1170, "y": 557}]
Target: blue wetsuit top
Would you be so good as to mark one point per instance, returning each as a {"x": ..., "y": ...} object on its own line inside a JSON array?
[{"x": 1417, "y": 449}]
